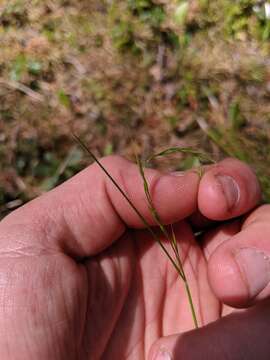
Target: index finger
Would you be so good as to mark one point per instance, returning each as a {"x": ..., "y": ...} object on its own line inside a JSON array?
[{"x": 87, "y": 213}]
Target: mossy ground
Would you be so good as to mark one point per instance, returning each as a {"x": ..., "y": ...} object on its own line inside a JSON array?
[{"x": 129, "y": 74}]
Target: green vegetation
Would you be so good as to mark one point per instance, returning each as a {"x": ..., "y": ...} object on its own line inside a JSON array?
[{"x": 151, "y": 72}]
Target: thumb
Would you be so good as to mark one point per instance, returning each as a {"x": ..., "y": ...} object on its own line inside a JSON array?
[
  {"x": 239, "y": 268},
  {"x": 241, "y": 335}
]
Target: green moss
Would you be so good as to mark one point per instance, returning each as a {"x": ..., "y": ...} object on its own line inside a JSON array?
[
  {"x": 148, "y": 12},
  {"x": 123, "y": 37},
  {"x": 23, "y": 65}
]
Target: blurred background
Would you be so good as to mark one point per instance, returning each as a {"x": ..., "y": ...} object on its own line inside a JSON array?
[{"x": 129, "y": 76}]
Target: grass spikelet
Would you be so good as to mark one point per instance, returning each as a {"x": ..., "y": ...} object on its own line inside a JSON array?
[
  {"x": 171, "y": 238},
  {"x": 175, "y": 258},
  {"x": 204, "y": 158}
]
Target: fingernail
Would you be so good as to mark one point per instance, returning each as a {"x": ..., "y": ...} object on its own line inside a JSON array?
[
  {"x": 230, "y": 189},
  {"x": 178, "y": 173},
  {"x": 255, "y": 267},
  {"x": 163, "y": 355}
]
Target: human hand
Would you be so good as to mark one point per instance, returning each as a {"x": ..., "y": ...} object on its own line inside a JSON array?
[{"x": 75, "y": 283}]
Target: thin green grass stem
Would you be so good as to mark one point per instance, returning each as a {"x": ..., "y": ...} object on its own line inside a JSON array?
[
  {"x": 192, "y": 308},
  {"x": 144, "y": 221},
  {"x": 172, "y": 240}
]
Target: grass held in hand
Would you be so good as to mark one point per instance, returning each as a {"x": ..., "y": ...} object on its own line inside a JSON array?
[{"x": 173, "y": 254}]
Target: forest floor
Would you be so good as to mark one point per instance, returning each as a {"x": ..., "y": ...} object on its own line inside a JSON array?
[{"x": 129, "y": 76}]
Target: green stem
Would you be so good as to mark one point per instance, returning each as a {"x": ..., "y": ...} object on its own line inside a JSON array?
[
  {"x": 179, "y": 267},
  {"x": 145, "y": 223},
  {"x": 172, "y": 240},
  {"x": 192, "y": 308},
  {"x": 184, "y": 278}
]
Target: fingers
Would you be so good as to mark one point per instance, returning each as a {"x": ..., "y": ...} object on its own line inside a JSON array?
[
  {"x": 87, "y": 213},
  {"x": 239, "y": 265},
  {"x": 212, "y": 239},
  {"x": 228, "y": 190},
  {"x": 243, "y": 335}
]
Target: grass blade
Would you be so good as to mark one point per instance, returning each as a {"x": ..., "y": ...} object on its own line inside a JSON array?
[
  {"x": 141, "y": 217},
  {"x": 172, "y": 240},
  {"x": 188, "y": 291}
]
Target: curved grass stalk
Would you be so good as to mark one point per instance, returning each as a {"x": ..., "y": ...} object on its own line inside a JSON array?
[
  {"x": 172, "y": 240},
  {"x": 204, "y": 158},
  {"x": 176, "y": 260},
  {"x": 144, "y": 221}
]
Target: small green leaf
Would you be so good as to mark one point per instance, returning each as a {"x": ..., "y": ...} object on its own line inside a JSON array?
[
  {"x": 190, "y": 162},
  {"x": 181, "y": 13},
  {"x": 34, "y": 67},
  {"x": 108, "y": 149},
  {"x": 63, "y": 98},
  {"x": 18, "y": 68},
  {"x": 235, "y": 116}
]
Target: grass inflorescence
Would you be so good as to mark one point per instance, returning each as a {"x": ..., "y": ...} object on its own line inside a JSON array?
[{"x": 173, "y": 256}]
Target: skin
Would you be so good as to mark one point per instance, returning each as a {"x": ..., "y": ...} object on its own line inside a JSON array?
[{"x": 81, "y": 279}]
